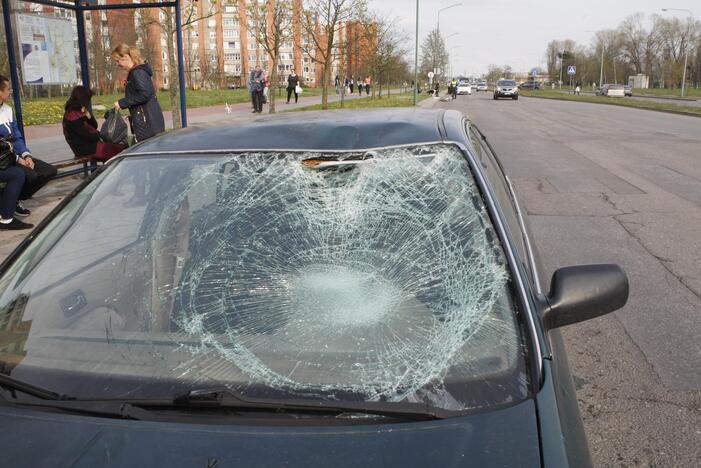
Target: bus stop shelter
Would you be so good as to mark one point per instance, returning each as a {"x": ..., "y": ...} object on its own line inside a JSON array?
[{"x": 79, "y": 7}]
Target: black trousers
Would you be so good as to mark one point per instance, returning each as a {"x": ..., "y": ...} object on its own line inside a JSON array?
[
  {"x": 36, "y": 178},
  {"x": 258, "y": 100},
  {"x": 289, "y": 94},
  {"x": 13, "y": 177}
]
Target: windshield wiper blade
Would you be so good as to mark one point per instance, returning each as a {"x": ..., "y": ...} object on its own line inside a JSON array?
[
  {"x": 34, "y": 390},
  {"x": 226, "y": 397}
]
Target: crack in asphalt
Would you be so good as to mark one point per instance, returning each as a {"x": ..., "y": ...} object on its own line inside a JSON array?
[{"x": 662, "y": 261}]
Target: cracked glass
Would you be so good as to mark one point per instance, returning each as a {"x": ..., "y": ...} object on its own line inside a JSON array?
[{"x": 367, "y": 276}]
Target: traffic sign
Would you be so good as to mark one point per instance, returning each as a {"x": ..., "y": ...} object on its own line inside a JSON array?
[
  {"x": 571, "y": 69},
  {"x": 534, "y": 72},
  {"x": 430, "y": 74}
]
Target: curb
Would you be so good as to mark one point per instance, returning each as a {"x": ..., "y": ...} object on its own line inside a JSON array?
[{"x": 666, "y": 111}]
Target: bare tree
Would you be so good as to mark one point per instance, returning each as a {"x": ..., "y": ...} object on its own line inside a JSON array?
[
  {"x": 272, "y": 23},
  {"x": 434, "y": 57},
  {"x": 385, "y": 48},
  {"x": 321, "y": 22},
  {"x": 166, "y": 22}
]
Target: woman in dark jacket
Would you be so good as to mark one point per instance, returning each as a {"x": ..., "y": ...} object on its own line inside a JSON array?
[
  {"x": 79, "y": 126},
  {"x": 139, "y": 94},
  {"x": 292, "y": 83}
]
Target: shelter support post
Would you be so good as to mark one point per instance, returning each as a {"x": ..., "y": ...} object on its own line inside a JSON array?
[
  {"x": 181, "y": 63},
  {"x": 82, "y": 48},
  {"x": 12, "y": 61}
]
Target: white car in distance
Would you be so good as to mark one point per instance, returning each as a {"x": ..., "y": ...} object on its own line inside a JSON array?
[{"x": 464, "y": 87}]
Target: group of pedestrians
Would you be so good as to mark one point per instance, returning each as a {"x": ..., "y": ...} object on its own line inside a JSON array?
[
  {"x": 351, "y": 84},
  {"x": 259, "y": 86},
  {"x": 22, "y": 175}
]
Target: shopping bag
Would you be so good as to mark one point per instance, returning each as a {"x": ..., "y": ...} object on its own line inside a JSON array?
[
  {"x": 298, "y": 89},
  {"x": 114, "y": 128}
]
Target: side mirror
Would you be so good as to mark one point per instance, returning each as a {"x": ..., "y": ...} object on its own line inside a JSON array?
[{"x": 579, "y": 293}]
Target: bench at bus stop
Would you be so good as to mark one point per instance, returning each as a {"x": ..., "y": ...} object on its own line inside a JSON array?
[{"x": 66, "y": 167}]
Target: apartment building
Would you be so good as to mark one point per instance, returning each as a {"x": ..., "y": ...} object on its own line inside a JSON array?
[{"x": 220, "y": 48}]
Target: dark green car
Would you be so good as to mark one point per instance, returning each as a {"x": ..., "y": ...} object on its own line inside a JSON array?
[{"x": 320, "y": 289}]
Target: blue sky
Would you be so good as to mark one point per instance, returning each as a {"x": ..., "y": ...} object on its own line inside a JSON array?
[{"x": 516, "y": 32}]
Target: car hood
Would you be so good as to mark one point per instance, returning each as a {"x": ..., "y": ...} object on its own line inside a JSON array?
[{"x": 506, "y": 437}]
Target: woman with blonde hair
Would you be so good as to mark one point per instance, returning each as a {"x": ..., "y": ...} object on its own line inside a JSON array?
[{"x": 139, "y": 94}]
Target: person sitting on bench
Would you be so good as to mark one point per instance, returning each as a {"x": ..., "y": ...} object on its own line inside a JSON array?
[
  {"x": 79, "y": 125},
  {"x": 36, "y": 172}
]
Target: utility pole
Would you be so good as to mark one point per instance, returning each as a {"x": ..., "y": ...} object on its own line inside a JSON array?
[{"x": 416, "y": 52}]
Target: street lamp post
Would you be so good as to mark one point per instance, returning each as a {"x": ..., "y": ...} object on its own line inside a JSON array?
[
  {"x": 686, "y": 45},
  {"x": 446, "y": 42},
  {"x": 438, "y": 23},
  {"x": 416, "y": 52},
  {"x": 562, "y": 58}
]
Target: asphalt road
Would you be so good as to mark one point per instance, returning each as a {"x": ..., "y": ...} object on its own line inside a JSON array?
[{"x": 612, "y": 184}]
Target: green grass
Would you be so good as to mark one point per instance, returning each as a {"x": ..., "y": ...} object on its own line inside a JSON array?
[
  {"x": 666, "y": 92},
  {"x": 636, "y": 103},
  {"x": 394, "y": 100}
]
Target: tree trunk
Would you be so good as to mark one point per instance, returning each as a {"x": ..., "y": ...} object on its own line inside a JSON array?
[
  {"x": 273, "y": 86},
  {"x": 324, "y": 85}
]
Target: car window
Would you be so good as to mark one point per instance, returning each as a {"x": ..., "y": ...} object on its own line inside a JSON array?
[
  {"x": 506, "y": 83},
  {"x": 352, "y": 276},
  {"x": 501, "y": 190}
]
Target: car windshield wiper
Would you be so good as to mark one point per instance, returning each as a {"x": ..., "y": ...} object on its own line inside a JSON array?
[
  {"x": 13, "y": 384},
  {"x": 228, "y": 398}
]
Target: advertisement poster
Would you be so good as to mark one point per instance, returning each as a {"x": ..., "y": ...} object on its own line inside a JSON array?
[{"x": 46, "y": 48}]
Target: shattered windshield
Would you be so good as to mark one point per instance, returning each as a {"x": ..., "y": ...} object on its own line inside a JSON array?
[{"x": 369, "y": 276}]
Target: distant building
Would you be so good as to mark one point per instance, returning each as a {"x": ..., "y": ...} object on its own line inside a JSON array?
[{"x": 218, "y": 49}]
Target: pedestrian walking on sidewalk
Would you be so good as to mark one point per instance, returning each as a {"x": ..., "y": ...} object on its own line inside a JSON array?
[
  {"x": 352, "y": 85},
  {"x": 360, "y": 86},
  {"x": 146, "y": 116},
  {"x": 292, "y": 83}
]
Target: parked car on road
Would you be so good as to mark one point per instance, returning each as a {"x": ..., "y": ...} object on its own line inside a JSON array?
[
  {"x": 531, "y": 85},
  {"x": 506, "y": 88},
  {"x": 464, "y": 87},
  {"x": 350, "y": 288},
  {"x": 611, "y": 90}
]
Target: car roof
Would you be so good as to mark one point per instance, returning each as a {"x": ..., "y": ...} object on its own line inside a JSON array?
[{"x": 322, "y": 130}]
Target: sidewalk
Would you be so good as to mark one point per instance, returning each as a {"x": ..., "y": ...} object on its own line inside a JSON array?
[{"x": 47, "y": 143}]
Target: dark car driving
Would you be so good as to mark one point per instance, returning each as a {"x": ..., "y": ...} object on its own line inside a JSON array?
[
  {"x": 347, "y": 288},
  {"x": 506, "y": 88}
]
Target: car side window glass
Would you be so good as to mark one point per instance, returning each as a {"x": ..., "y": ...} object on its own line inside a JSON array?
[{"x": 501, "y": 189}]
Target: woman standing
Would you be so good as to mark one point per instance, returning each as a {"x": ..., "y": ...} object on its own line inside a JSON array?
[
  {"x": 292, "y": 83},
  {"x": 139, "y": 94}
]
